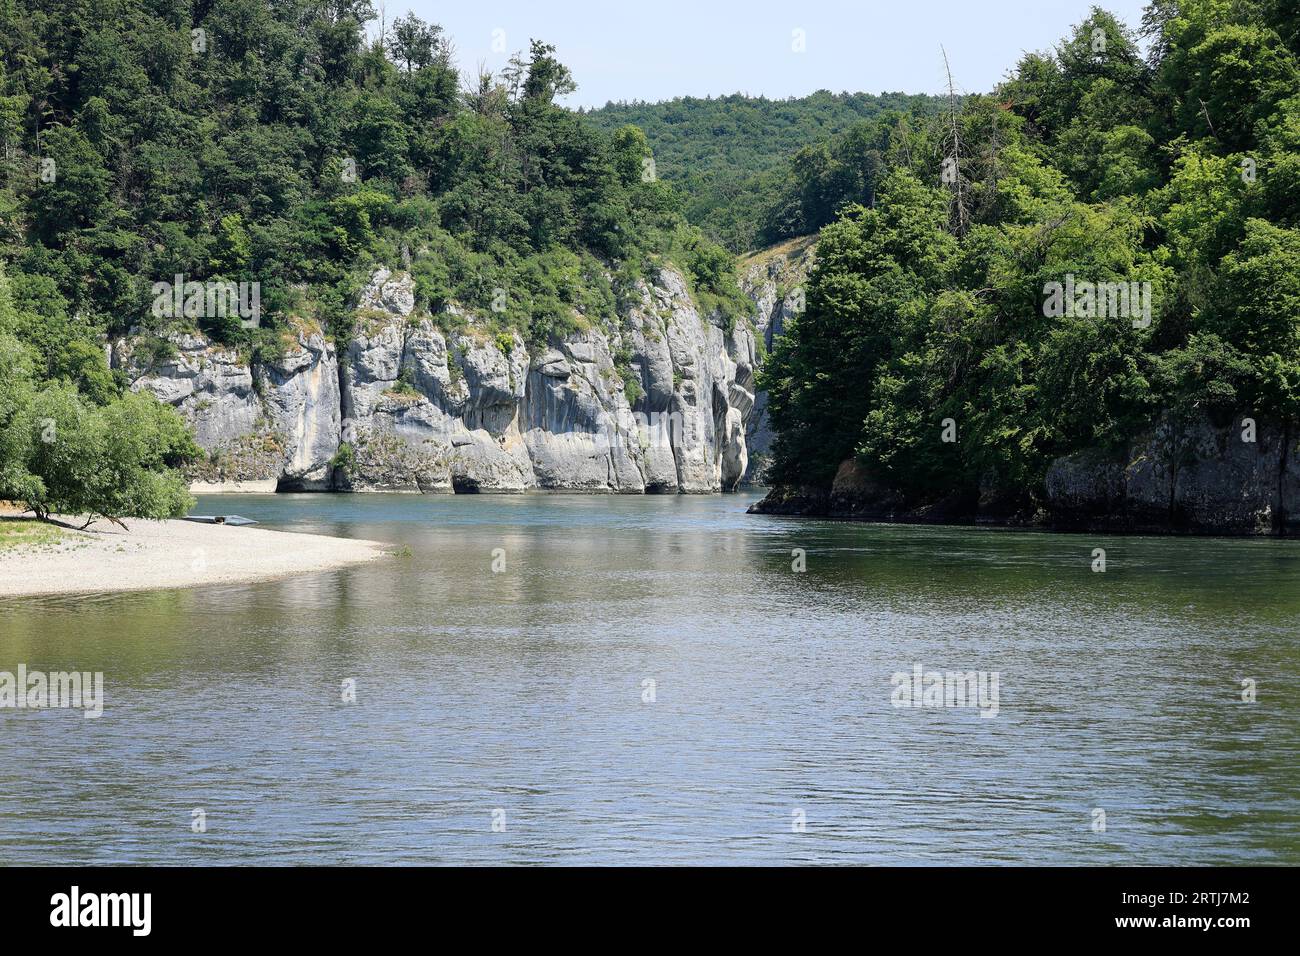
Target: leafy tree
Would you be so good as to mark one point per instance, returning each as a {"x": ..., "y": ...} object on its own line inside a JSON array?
[
  {"x": 110, "y": 462},
  {"x": 416, "y": 43},
  {"x": 16, "y": 482},
  {"x": 875, "y": 266},
  {"x": 1257, "y": 311}
]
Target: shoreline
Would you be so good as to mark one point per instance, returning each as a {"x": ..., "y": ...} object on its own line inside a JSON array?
[
  {"x": 1104, "y": 530},
  {"x": 157, "y": 555},
  {"x": 814, "y": 506},
  {"x": 241, "y": 489}
]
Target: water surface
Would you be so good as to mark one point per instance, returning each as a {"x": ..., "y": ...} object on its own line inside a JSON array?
[{"x": 525, "y": 692}]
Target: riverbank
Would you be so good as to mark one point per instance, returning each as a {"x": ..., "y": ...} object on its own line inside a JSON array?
[
  {"x": 1186, "y": 477},
  {"x": 969, "y": 511},
  {"x": 150, "y": 555}
]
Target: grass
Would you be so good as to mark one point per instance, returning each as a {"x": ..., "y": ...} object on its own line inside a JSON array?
[
  {"x": 21, "y": 533},
  {"x": 794, "y": 249}
]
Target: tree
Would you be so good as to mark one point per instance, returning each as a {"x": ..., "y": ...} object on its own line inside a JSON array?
[
  {"x": 17, "y": 483},
  {"x": 74, "y": 194},
  {"x": 113, "y": 462},
  {"x": 546, "y": 77},
  {"x": 875, "y": 269},
  {"x": 1257, "y": 310},
  {"x": 416, "y": 43}
]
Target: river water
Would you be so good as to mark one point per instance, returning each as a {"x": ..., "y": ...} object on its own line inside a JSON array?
[{"x": 650, "y": 680}]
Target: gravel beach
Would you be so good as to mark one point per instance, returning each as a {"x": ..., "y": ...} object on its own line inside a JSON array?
[{"x": 170, "y": 554}]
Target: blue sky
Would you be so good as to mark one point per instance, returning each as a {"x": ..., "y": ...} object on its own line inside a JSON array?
[{"x": 658, "y": 49}]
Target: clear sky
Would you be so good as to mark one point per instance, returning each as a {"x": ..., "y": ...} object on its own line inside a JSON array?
[{"x": 658, "y": 49}]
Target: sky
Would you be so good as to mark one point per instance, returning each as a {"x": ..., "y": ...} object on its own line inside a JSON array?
[{"x": 658, "y": 49}]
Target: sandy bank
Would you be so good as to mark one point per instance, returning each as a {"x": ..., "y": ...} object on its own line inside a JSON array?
[{"x": 171, "y": 554}]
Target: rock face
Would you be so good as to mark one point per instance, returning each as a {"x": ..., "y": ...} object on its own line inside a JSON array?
[
  {"x": 658, "y": 401},
  {"x": 774, "y": 279},
  {"x": 266, "y": 424},
  {"x": 1194, "y": 477}
]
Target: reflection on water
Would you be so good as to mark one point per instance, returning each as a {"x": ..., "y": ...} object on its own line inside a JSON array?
[{"x": 523, "y": 691}]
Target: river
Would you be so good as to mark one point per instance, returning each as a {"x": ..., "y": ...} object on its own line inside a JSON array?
[{"x": 646, "y": 679}]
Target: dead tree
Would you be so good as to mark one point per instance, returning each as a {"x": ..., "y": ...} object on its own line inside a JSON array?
[{"x": 960, "y": 215}]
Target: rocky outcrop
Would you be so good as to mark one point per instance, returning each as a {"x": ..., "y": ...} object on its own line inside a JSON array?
[
  {"x": 438, "y": 405},
  {"x": 1193, "y": 476},
  {"x": 1181, "y": 477},
  {"x": 653, "y": 400},
  {"x": 774, "y": 280},
  {"x": 263, "y": 424},
  {"x": 856, "y": 495}
]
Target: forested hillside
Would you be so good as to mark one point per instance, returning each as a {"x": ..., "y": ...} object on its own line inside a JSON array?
[
  {"x": 730, "y": 155},
  {"x": 1107, "y": 242},
  {"x": 269, "y": 144}
]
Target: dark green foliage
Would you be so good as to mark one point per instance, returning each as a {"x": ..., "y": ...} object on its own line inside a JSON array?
[
  {"x": 845, "y": 170},
  {"x": 1179, "y": 170},
  {"x": 277, "y": 146},
  {"x": 727, "y": 155}
]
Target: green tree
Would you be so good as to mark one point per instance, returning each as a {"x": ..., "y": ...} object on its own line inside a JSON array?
[{"x": 113, "y": 462}]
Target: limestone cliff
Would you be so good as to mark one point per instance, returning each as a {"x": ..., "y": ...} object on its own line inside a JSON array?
[
  {"x": 1194, "y": 476},
  {"x": 265, "y": 424},
  {"x": 655, "y": 400}
]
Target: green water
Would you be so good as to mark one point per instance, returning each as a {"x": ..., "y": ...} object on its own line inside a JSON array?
[{"x": 525, "y": 692}]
